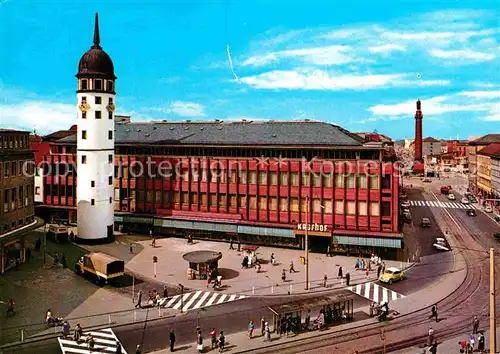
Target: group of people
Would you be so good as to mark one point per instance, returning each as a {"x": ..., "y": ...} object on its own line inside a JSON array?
[
  {"x": 153, "y": 297},
  {"x": 216, "y": 341},
  {"x": 468, "y": 346}
]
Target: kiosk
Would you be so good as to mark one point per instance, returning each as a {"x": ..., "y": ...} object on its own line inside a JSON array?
[{"x": 202, "y": 264}]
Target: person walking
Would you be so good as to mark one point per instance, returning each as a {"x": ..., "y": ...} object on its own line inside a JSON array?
[
  {"x": 65, "y": 329},
  {"x": 251, "y": 327},
  {"x": 347, "y": 278},
  {"x": 480, "y": 343},
  {"x": 433, "y": 348},
  {"x": 63, "y": 261},
  {"x": 153, "y": 243},
  {"x": 262, "y": 326},
  {"x": 131, "y": 249},
  {"x": 273, "y": 260},
  {"x": 430, "y": 337},
  {"x": 213, "y": 338},
  {"x": 10, "y": 308},
  {"x": 77, "y": 333},
  {"x": 328, "y": 251},
  {"x": 339, "y": 275},
  {"x": 267, "y": 336},
  {"x": 472, "y": 342},
  {"x": 172, "y": 340},
  {"x": 222, "y": 341},
  {"x": 239, "y": 246},
  {"x": 292, "y": 269},
  {"x": 165, "y": 291},
  {"x": 231, "y": 247},
  {"x": 199, "y": 343},
  {"x": 434, "y": 312},
  {"x": 283, "y": 275},
  {"x": 118, "y": 348},
  {"x": 139, "y": 300},
  {"x": 325, "y": 279},
  {"x": 138, "y": 349},
  {"x": 28, "y": 254},
  {"x": 475, "y": 325}
]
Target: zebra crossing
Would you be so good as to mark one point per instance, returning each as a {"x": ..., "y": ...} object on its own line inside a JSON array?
[
  {"x": 437, "y": 204},
  {"x": 375, "y": 293},
  {"x": 198, "y": 299},
  {"x": 105, "y": 343}
]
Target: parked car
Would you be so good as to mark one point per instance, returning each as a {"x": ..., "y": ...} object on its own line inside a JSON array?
[
  {"x": 471, "y": 212},
  {"x": 391, "y": 275},
  {"x": 426, "y": 222},
  {"x": 451, "y": 196},
  {"x": 488, "y": 209},
  {"x": 445, "y": 190},
  {"x": 465, "y": 201},
  {"x": 441, "y": 244},
  {"x": 407, "y": 216}
]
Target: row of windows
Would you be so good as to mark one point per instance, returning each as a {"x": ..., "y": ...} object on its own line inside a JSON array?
[
  {"x": 84, "y": 157},
  {"x": 97, "y": 115},
  {"x": 16, "y": 168},
  {"x": 110, "y": 135},
  {"x": 16, "y": 198},
  {"x": 97, "y": 100},
  {"x": 96, "y": 84},
  {"x": 265, "y": 203},
  {"x": 14, "y": 225},
  {"x": 14, "y": 141}
]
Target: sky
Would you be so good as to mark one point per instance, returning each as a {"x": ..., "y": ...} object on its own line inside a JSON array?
[{"x": 358, "y": 64}]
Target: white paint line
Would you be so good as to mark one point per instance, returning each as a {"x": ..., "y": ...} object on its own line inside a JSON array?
[
  {"x": 222, "y": 298},
  {"x": 190, "y": 302},
  {"x": 212, "y": 299},
  {"x": 202, "y": 300}
]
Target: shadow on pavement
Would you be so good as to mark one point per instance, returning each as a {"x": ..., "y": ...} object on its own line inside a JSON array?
[{"x": 228, "y": 273}]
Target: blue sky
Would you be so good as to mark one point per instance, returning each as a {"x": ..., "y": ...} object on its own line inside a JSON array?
[{"x": 359, "y": 64}]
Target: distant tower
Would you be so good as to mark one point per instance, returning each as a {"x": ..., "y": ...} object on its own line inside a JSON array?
[
  {"x": 418, "y": 133},
  {"x": 95, "y": 143}
]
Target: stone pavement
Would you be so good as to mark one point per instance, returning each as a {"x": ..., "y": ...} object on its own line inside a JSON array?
[{"x": 172, "y": 268}]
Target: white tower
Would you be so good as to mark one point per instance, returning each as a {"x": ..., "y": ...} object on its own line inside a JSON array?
[{"x": 95, "y": 144}]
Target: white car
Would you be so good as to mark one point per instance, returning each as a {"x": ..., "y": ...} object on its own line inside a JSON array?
[
  {"x": 465, "y": 201},
  {"x": 488, "y": 209},
  {"x": 451, "y": 196}
]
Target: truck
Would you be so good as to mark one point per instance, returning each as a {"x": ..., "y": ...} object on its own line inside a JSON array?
[
  {"x": 58, "y": 233},
  {"x": 100, "y": 266}
]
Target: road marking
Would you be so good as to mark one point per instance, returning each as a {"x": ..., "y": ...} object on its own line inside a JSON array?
[
  {"x": 202, "y": 300},
  {"x": 191, "y": 300},
  {"x": 105, "y": 342},
  {"x": 212, "y": 299},
  {"x": 375, "y": 292},
  {"x": 222, "y": 298}
]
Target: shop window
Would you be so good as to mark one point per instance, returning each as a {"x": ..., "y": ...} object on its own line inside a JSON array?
[
  {"x": 242, "y": 177},
  {"x": 316, "y": 205},
  {"x": 294, "y": 179},
  {"x": 185, "y": 198},
  {"x": 362, "y": 208},
  {"x": 327, "y": 179},
  {"x": 222, "y": 176},
  {"x": 373, "y": 182},
  {"x": 294, "y": 204},
  {"x": 194, "y": 198},
  {"x": 253, "y": 203},
  {"x": 262, "y": 203},
  {"x": 177, "y": 197},
  {"x": 222, "y": 200},
  {"x": 283, "y": 178},
  {"x": 374, "y": 209},
  {"x": 213, "y": 199},
  {"x": 263, "y": 178},
  {"x": 273, "y": 203},
  {"x": 283, "y": 204},
  {"x": 149, "y": 196},
  {"x": 339, "y": 180},
  {"x": 242, "y": 201},
  {"x": 362, "y": 181},
  {"x": 339, "y": 207}
]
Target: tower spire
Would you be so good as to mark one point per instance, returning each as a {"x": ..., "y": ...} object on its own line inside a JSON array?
[{"x": 97, "y": 39}]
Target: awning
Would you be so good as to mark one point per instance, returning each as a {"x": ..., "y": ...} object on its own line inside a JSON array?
[{"x": 369, "y": 241}]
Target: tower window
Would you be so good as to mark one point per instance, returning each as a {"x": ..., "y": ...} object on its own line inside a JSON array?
[
  {"x": 110, "y": 180},
  {"x": 98, "y": 84},
  {"x": 110, "y": 101},
  {"x": 92, "y": 184},
  {"x": 84, "y": 99},
  {"x": 110, "y": 200},
  {"x": 84, "y": 159},
  {"x": 110, "y": 158},
  {"x": 97, "y": 114},
  {"x": 110, "y": 86},
  {"x": 84, "y": 134},
  {"x": 92, "y": 201},
  {"x": 84, "y": 84},
  {"x": 110, "y": 134},
  {"x": 84, "y": 115},
  {"x": 98, "y": 100},
  {"x": 110, "y": 115}
]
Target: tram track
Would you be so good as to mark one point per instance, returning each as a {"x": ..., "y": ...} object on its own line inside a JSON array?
[{"x": 471, "y": 295}]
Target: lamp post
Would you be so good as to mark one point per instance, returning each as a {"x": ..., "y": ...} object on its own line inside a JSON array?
[
  {"x": 306, "y": 241},
  {"x": 182, "y": 297}
]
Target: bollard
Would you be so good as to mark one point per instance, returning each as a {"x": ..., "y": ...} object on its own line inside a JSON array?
[
  {"x": 290, "y": 288},
  {"x": 109, "y": 320},
  {"x": 135, "y": 316},
  {"x": 272, "y": 289},
  {"x": 22, "y": 335},
  {"x": 159, "y": 311},
  {"x": 253, "y": 290}
]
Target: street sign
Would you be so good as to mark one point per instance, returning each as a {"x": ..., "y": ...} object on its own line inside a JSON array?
[{"x": 155, "y": 259}]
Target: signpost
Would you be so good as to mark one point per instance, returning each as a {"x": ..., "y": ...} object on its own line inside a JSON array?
[{"x": 155, "y": 261}]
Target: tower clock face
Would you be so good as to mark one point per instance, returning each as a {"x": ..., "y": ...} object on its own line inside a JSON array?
[
  {"x": 84, "y": 107},
  {"x": 110, "y": 107}
]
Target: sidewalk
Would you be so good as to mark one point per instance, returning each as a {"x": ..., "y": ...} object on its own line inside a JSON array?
[{"x": 172, "y": 268}]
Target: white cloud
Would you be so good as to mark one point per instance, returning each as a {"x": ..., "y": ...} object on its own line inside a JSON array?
[
  {"x": 327, "y": 55},
  {"x": 462, "y": 54},
  {"x": 387, "y": 48},
  {"x": 184, "y": 109},
  {"x": 322, "y": 80},
  {"x": 481, "y": 94},
  {"x": 46, "y": 116}
]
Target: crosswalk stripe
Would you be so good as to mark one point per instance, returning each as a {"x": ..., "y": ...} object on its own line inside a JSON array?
[
  {"x": 190, "y": 302},
  {"x": 202, "y": 300},
  {"x": 384, "y": 295},
  {"x": 105, "y": 343},
  {"x": 374, "y": 292},
  {"x": 439, "y": 204},
  {"x": 222, "y": 298},
  {"x": 367, "y": 291},
  {"x": 198, "y": 299},
  {"x": 232, "y": 298},
  {"x": 212, "y": 299},
  {"x": 181, "y": 301},
  {"x": 172, "y": 300}
]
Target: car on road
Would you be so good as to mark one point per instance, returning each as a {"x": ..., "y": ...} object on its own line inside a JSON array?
[
  {"x": 441, "y": 244},
  {"x": 405, "y": 204},
  {"x": 497, "y": 217},
  {"x": 488, "y": 209},
  {"x": 407, "y": 216},
  {"x": 471, "y": 212},
  {"x": 451, "y": 196},
  {"x": 471, "y": 198},
  {"x": 445, "y": 189},
  {"x": 427, "y": 180},
  {"x": 465, "y": 201},
  {"x": 426, "y": 222},
  {"x": 391, "y": 275}
]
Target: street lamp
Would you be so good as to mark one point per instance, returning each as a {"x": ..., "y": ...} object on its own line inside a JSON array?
[{"x": 182, "y": 297}]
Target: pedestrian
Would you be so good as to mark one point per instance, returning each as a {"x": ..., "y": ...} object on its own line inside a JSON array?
[
  {"x": 475, "y": 325},
  {"x": 283, "y": 275},
  {"x": 28, "y": 254},
  {"x": 339, "y": 275},
  {"x": 308, "y": 319},
  {"x": 65, "y": 329},
  {"x": 472, "y": 342},
  {"x": 328, "y": 251},
  {"x": 38, "y": 244},
  {"x": 347, "y": 278},
  {"x": 213, "y": 337},
  {"x": 251, "y": 326},
  {"x": 433, "y": 312},
  {"x": 199, "y": 342},
  {"x": 433, "y": 348},
  {"x": 292, "y": 269},
  {"x": 153, "y": 243},
  {"x": 231, "y": 247},
  {"x": 165, "y": 291},
  {"x": 379, "y": 270},
  {"x": 139, "y": 299},
  {"x": 239, "y": 246},
  {"x": 18, "y": 261},
  {"x": 63, "y": 261},
  {"x": 118, "y": 348},
  {"x": 10, "y": 308},
  {"x": 367, "y": 273},
  {"x": 273, "y": 260},
  {"x": 463, "y": 346},
  {"x": 78, "y": 333},
  {"x": 56, "y": 258},
  {"x": 131, "y": 249},
  {"x": 222, "y": 341},
  {"x": 267, "y": 333},
  {"x": 172, "y": 340},
  {"x": 325, "y": 279},
  {"x": 138, "y": 349},
  {"x": 430, "y": 338},
  {"x": 262, "y": 326},
  {"x": 480, "y": 343}
]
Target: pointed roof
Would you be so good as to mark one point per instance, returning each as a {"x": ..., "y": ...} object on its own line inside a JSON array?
[{"x": 97, "y": 39}]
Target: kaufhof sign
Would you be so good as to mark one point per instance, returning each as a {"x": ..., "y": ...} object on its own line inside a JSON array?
[{"x": 313, "y": 229}]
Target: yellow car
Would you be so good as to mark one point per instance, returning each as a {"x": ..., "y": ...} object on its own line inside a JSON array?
[{"x": 391, "y": 275}]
